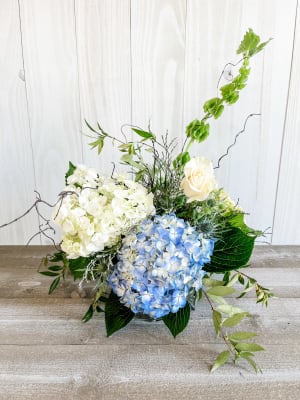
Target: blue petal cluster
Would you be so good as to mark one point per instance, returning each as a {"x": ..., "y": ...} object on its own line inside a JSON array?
[{"x": 159, "y": 264}]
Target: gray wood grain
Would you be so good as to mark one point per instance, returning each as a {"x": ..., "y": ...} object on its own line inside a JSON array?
[{"x": 47, "y": 352}]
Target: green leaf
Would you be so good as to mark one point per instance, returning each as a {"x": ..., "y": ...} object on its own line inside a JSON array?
[
  {"x": 233, "y": 280},
  {"x": 78, "y": 265},
  {"x": 90, "y": 127},
  {"x": 228, "y": 309},
  {"x": 88, "y": 315},
  {"x": 143, "y": 134},
  {"x": 127, "y": 158},
  {"x": 212, "y": 282},
  {"x": 54, "y": 284},
  {"x": 220, "y": 360},
  {"x": 217, "y": 299},
  {"x": 177, "y": 322},
  {"x": 99, "y": 143},
  {"x": 253, "y": 364},
  {"x": 249, "y": 347},
  {"x": 59, "y": 256},
  {"x": 70, "y": 171},
  {"x": 49, "y": 273},
  {"x": 241, "y": 335},
  {"x": 234, "y": 320},
  {"x": 232, "y": 251},
  {"x": 55, "y": 268},
  {"x": 217, "y": 320},
  {"x": 117, "y": 316},
  {"x": 199, "y": 295},
  {"x": 237, "y": 221},
  {"x": 220, "y": 291}
]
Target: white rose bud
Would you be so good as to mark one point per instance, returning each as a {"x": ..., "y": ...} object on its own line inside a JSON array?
[{"x": 199, "y": 180}]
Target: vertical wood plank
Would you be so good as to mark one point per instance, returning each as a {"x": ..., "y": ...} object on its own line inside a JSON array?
[
  {"x": 287, "y": 216},
  {"x": 49, "y": 43},
  {"x": 16, "y": 166},
  {"x": 103, "y": 35},
  {"x": 158, "y": 60},
  {"x": 250, "y": 172}
]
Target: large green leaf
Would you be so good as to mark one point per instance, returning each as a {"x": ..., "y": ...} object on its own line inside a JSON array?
[
  {"x": 177, "y": 322},
  {"x": 232, "y": 251},
  {"x": 116, "y": 314},
  {"x": 237, "y": 221}
]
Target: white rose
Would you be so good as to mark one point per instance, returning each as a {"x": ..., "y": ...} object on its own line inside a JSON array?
[{"x": 199, "y": 180}]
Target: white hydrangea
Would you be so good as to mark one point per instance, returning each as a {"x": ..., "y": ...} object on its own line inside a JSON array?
[{"x": 98, "y": 210}]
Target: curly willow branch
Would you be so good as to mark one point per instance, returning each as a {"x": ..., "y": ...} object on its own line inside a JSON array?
[
  {"x": 235, "y": 139},
  {"x": 46, "y": 226}
]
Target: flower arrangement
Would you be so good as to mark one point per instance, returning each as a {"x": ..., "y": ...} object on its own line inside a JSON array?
[{"x": 156, "y": 244}]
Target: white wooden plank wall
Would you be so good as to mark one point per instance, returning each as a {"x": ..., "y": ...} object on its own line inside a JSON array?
[{"x": 131, "y": 61}]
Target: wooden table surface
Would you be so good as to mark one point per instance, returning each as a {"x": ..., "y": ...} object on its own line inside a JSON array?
[{"x": 46, "y": 352}]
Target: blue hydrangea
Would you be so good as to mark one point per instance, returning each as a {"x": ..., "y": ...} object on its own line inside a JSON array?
[{"x": 159, "y": 263}]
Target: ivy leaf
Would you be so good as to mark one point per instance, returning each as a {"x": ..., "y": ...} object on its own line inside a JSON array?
[
  {"x": 232, "y": 251},
  {"x": 177, "y": 322},
  {"x": 116, "y": 314},
  {"x": 220, "y": 360},
  {"x": 69, "y": 172}
]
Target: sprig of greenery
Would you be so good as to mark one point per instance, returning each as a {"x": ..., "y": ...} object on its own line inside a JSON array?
[
  {"x": 226, "y": 316},
  {"x": 262, "y": 294},
  {"x": 57, "y": 265}
]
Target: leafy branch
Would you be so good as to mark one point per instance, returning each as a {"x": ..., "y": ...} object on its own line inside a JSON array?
[
  {"x": 226, "y": 316},
  {"x": 58, "y": 267}
]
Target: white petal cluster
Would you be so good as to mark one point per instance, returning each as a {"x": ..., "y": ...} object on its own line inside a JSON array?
[{"x": 98, "y": 210}]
